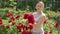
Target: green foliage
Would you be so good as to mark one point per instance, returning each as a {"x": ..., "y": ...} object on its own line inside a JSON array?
[
  {"x": 22, "y": 4},
  {"x": 53, "y": 15},
  {"x": 3, "y": 13}
]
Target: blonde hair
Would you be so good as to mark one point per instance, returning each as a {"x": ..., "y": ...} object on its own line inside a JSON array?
[{"x": 42, "y": 4}]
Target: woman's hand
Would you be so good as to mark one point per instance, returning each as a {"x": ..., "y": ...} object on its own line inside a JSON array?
[{"x": 37, "y": 25}]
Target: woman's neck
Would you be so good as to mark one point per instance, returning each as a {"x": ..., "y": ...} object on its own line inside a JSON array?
[{"x": 39, "y": 12}]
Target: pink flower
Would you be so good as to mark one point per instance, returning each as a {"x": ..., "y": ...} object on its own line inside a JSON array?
[
  {"x": 26, "y": 16},
  {"x": 7, "y": 15},
  {"x": 1, "y": 24},
  {"x": 31, "y": 19},
  {"x": 17, "y": 17}
]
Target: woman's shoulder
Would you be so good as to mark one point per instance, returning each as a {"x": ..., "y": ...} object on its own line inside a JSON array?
[{"x": 43, "y": 14}]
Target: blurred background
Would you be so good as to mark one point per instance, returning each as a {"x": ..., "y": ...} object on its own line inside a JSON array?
[
  {"x": 16, "y": 6},
  {"x": 30, "y": 4},
  {"x": 52, "y": 11}
]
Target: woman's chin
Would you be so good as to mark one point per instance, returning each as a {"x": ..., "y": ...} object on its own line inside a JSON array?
[{"x": 38, "y": 10}]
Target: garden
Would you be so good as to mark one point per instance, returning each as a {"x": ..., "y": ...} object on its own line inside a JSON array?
[{"x": 13, "y": 19}]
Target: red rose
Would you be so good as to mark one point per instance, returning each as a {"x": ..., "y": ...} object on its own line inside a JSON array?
[
  {"x": 12, "y": 18},
  {"x": 30, "y": 26},
  {"x": 27, "y": 27},
  {"x": 29, "y": 32},
  {"x": 45, "y": 33},
  {"x": 57, "y": 24},
  {"x": 9, "y": 14},
  {"x": 18, "y": 26},
  {"x": 26, "y": 32},
  {"x": 50, "y": 32},
  {"x": 7, "y": 26},
  {"x": 44, "y": 21},
  {"x": 23, "y": 26},
  {"x": 19, "y": 30},
  {"x": 13, "y": 23},
  {"x": 26, "y": 16},
  {"x": 10, "y": 21},
  {"x": 31, "y": 19},
  {"x": 0, "y": 20},
  {"x": 18, "y": 16}
]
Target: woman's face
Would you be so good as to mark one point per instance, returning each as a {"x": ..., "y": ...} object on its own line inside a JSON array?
[{"x": 39, "y": 7}]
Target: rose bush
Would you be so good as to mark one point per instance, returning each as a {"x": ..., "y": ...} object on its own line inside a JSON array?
[
  {"x": 16, "y": 24},
  {"x": 23, "y": 25}
]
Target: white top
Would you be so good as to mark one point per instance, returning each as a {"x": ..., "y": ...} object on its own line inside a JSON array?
[{"x": 40, "y": 28}]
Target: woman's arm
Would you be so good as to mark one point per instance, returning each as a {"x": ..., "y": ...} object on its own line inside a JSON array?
[{"x": 40, "y": 21}]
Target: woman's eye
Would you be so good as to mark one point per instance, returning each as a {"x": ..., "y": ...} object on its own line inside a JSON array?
[{"x": 38, "y": 6}]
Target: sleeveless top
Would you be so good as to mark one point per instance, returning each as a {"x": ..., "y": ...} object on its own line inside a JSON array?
[{"x": 40, "y": 28}]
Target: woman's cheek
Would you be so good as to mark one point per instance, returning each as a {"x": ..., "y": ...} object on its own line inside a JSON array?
[{"x": 38, "y": 8}]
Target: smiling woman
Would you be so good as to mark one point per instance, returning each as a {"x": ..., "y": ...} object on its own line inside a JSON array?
[{"x": 39, "y": 19}]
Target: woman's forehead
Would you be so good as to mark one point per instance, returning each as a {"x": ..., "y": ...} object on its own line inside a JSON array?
[{"x": 40, "y": 4}]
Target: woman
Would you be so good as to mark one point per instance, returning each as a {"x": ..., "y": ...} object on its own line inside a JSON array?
[{"x": 39, "y": 19}]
